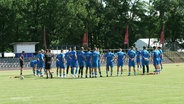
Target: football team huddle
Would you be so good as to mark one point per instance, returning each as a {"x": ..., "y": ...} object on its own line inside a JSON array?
[{"x": 90, "y": 59}]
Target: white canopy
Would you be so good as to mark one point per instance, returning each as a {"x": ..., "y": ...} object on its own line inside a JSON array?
[{"x": 145, "y": 41}]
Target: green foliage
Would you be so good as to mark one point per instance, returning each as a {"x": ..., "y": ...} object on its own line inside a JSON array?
[{"x": 66, "y": 21}]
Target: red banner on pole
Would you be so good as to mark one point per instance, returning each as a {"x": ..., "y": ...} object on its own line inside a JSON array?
[
  {"x": 162, "y": 36},
  {"x": 126, "y": 36},
  {"x": 85, "y": 39},
  {"x": 44, "y": 38}
]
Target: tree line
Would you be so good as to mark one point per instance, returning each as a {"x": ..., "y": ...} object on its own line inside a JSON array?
[{"x": 66, "y": 21}]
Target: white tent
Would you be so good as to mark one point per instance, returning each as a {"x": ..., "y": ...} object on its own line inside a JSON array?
[{"x": 145, "y": 41}]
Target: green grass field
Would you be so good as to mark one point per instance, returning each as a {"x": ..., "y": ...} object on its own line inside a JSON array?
[{"x": 165, "y": 88}]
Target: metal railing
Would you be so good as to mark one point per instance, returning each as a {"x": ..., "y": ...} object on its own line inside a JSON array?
[{"x": 13, "y": 63}]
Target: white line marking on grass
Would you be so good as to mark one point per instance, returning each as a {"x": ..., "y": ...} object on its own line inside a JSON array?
[
  {"x": 21, "y": 98},
  {"x": 143, "y": 84}
]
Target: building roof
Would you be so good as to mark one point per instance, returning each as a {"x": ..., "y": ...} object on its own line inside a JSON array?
[{"x": 15, "y": 43}]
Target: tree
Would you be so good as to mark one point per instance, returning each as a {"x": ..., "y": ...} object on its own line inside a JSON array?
[{"x": 7, "y": 19}]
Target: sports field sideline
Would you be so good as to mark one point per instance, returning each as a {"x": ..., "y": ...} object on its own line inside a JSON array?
[{"x": 165, "y": 88}]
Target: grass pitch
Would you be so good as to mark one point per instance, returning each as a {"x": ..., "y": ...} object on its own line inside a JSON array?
[{"x": 165, "y": 88}]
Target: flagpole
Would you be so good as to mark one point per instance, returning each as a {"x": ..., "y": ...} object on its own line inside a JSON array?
[
  {"x": 162, "y": 37},
  {"x": 44, "y": 38},
  {"x": 87, "y": 38},
  {"x": 126, "y": 40}
]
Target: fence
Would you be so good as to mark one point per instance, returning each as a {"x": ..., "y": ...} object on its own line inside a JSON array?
[{"x": 13, "y": 63}]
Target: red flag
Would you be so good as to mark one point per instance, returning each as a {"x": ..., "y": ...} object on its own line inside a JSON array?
[
  {"x": 126, "y": 36},
  {"x": 162, "y": 36},
  {"x": 44, "y": 38},
  {"x": 85, "y": 39}
]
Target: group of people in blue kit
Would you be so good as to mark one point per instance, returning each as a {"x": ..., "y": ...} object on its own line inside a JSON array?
[
  {"x": 143, "y": 57},
  {"x": 77, "y": 61},
  {"x": 90, "y": 59},
  {"x": 38, "y": 64}
]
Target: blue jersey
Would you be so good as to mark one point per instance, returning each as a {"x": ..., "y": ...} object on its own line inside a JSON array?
[
  {"x": 138, "y": 56},
  {"x": 60, "y": 58},
  {"x": 67, "y": 56},
  {"x": 68, "y": 59},
  {"x": 156, "y": 57},
  {"x": 88, "y": 56},
  {"x": 145, "y": 57},
  {"x": 95, "y": 58},
  {"x": 161, "y": 52},
  {"x": 99, "y": 63},
  {"x": 41, "y": 57},
  {"x": 80, "y": 57},
  {"x": 40, "y": 60},
  {"x": 88, "y": 59},
  {"x": 131, "y": 54},
  {"x": 120, "y": 60},
  {"x": 73, "y": 55},
  {"x": 109, "y": 56},
  {"x": 33, "y": 63},
  {"x": 121, "y": 56}
]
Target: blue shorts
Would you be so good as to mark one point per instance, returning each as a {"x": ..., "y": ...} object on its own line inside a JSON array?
[
  {"x": 131, "y": 63},
  {"x": 81, "y": 63},
  {"x": 74, "y": 64},
  {"x": 156, "y": 62},
  {"x": 68, "y": 63},
  {"x": 144, "y": 62},
  {"x": 120, "y": 63},
  {"x": 111, "y": 64},
  {"x": 62, "y": 65},
  {"x": 32, "y": 64},
  {"x": 138, "y": 60},
  {"x": 88, "y": 65},
  {"x": 57, "y": 64},
  {"x": 95, "y": 64},
  {"x": 40, "y": 64}
]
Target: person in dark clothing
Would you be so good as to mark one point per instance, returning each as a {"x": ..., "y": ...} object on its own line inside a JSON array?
[
  {"x": 48, "y": 61},
  {"x": 21, "y": 59}
]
